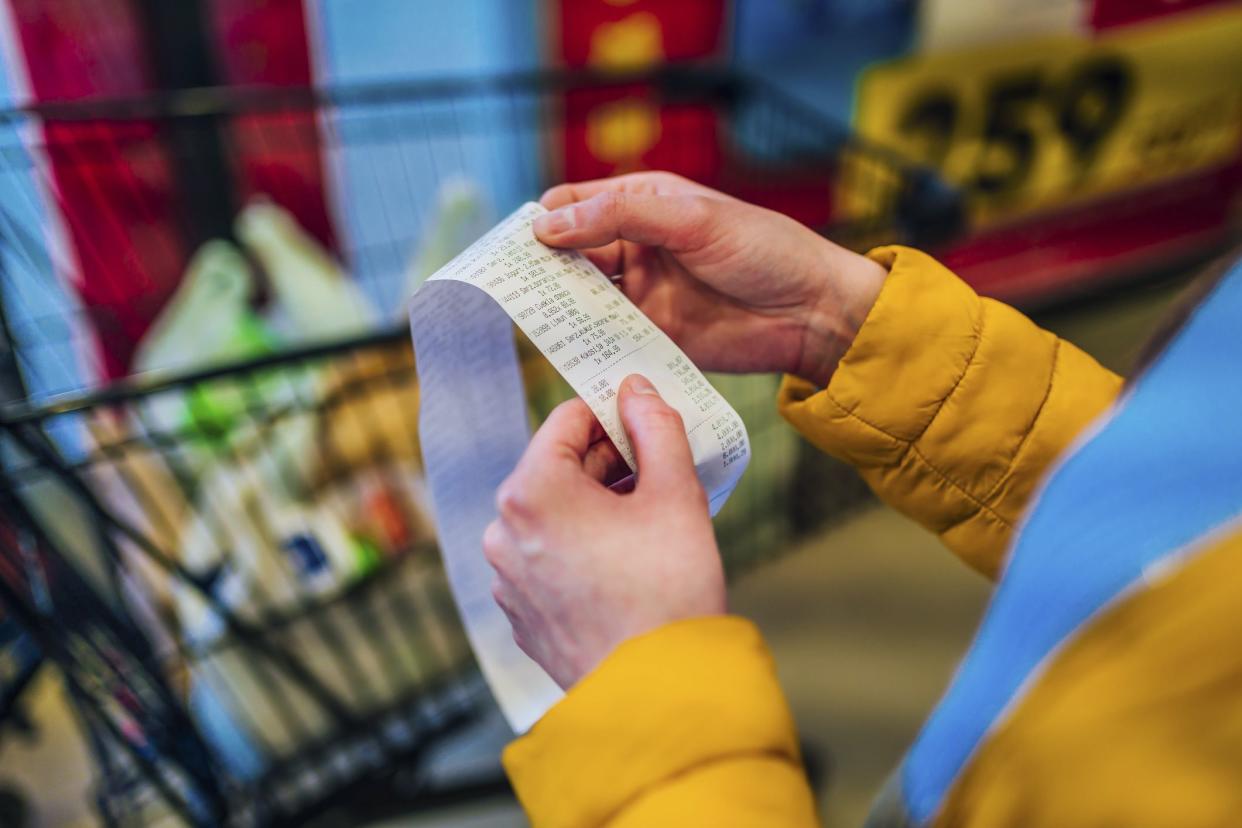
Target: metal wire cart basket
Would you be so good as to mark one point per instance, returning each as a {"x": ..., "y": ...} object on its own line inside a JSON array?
[{"x": 212, "y": 515}]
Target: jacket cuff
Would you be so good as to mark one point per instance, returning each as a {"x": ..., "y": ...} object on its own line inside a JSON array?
[
  {"x": 939, "y": 319},
  {"x": 660, "y": 705}
]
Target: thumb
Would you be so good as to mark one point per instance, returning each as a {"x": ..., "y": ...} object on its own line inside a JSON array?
[
  {"x": 676, "y": 222},
  {"x": 658, "y": 435}
]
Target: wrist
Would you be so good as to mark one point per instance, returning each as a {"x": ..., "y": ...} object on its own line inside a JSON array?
[{"x": 848, "y": 289}]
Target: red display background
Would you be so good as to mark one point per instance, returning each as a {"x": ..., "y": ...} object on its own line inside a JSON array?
[{"x": 113, "y": 182}]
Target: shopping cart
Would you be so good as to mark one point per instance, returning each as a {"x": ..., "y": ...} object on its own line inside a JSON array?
[
  {"x": 241, "y": 529},
  {"x": 20, "y": 660}
]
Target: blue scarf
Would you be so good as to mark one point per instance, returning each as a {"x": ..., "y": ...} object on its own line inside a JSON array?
[{"x": 1160, "y": 471}]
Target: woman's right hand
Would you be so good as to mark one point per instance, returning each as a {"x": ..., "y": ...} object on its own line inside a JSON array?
[{"x": 740, "y": 288}]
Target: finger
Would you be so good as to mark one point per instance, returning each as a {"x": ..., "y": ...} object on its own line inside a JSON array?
[
  {"x": 503, "y": 595},
  {"x": 604, "y": 463},
  {"x": 680, "y": 223},
  {"x": 497, "y": 546},
  {"x": 610, "y": 258},
  {"x": 555, "y": 454},
  {"x": 563, "y": 194},
  {"x": 649, "y": 181},
  {"x": 559, "y": 446},
  {"x": 573, "y": 191},
  {"x": 499, "y": 594},
  {"x": 567, "y": 432},
  {"x": 597, "y": 431},
  {"x": 658, "y": 435}
]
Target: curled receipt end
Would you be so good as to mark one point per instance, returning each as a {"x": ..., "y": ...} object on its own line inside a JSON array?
[{"x": 472, "y": 420}]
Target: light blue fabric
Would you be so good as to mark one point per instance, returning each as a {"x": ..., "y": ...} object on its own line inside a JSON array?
[
  {"x": 1164, "y": 470},
  {"x": 235, "y": 748},
  {"x": 389, "y": 160},
  {"x": 39, "y": 308},
  {"x": 54, "y": 350}
]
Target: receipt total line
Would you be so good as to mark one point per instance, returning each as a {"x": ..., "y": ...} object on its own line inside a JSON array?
[{"x": 620, "y": 359}]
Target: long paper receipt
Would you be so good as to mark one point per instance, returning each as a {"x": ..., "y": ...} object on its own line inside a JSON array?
[{"x": 473, "y": 423}]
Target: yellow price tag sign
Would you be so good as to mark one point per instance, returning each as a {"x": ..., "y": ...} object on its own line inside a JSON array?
[{"x": 1038, "y": 125}]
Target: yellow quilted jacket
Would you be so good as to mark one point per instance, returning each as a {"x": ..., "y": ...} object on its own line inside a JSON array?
[{"x": 952, "y": 407}]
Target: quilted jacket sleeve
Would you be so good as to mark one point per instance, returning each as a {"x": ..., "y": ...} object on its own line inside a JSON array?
[
  {"x": 951, "y": 406},
  {"x": 684, "y": 726}
]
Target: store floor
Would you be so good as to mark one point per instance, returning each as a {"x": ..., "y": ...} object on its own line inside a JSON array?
[{"x": 866, "y": 621}]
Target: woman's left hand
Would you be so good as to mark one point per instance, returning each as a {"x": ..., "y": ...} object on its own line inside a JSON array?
[{"x": 581, "y": 568}]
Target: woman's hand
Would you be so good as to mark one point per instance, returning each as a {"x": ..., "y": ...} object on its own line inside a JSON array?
[
  {"x": 738, "y": 287},
  {"x": 581, "y": 568}
]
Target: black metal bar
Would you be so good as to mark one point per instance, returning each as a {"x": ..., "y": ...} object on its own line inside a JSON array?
[
  {"x": 176, "y": 40},
  {"x": 12, "y": 386},
  {"x": 245, "y": 632},
  {"x": 130, "y": 388},
  {"x": 54, "y": 646},
  {"x": 14, "y": 688},
  {"x": 226, "y": 100}
]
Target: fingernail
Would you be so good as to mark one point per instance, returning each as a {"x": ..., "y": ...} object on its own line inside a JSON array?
[
  {"x": 641, "y": 385},
  {"x": 555, "y": 222}
]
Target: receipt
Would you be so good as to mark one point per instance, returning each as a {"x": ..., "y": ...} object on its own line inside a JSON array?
[{"x": 472, "y": 420}]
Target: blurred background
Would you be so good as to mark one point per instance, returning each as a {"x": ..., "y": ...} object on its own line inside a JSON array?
[{"x": 220, "y": 594}]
